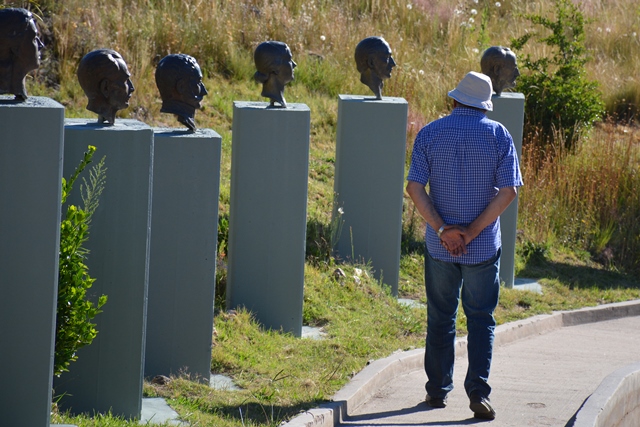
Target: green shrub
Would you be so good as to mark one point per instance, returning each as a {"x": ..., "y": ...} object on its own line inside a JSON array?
[
  {"x": 559, "y": 99},
  {"x": 73, "y": 321}
]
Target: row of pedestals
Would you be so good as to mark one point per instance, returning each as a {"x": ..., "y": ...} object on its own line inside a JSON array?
[
  {"x": 153, "y": 238},
  {"x": 269, "y": 175},
  {"x": 158, "y": 270}
]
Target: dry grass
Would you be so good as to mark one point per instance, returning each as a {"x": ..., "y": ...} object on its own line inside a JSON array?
[
  {"x": 588, "y": 198},
  {"x": 435, "y": 42}
]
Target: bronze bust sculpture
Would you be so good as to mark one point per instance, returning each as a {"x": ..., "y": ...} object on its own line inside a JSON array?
[
  {"x": 179, "y": 80},
  {"x": 499, "y": 63},
  {"x": 19, "y": 50},
  {"x": 374, "y": 62},
  {"x": 274, "y": 65},
  {"x": 105, "y": 79}
]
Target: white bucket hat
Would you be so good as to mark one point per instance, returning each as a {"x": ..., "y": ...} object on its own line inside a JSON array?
[{"x": 474, "y": 90}]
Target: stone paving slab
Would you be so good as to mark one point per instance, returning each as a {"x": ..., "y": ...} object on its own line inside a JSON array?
[{"x": 155, "y": 410}]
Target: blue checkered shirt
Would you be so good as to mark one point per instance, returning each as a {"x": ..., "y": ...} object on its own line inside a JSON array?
[{"x": 465, "y": 158}]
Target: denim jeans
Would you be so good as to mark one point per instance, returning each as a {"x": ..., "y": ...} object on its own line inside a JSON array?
[{"x": 479, "y": 286}]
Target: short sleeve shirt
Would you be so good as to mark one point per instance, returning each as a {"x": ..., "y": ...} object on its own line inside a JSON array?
[{"x": 464, "y": 158}]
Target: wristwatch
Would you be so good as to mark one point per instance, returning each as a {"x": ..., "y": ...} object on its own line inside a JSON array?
[{"x": 440, "y": 230}]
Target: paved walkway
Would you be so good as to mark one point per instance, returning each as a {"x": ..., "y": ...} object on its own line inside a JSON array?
[
  {"x": 544, "y": 368},
  {"x": 541, "y": 380}
]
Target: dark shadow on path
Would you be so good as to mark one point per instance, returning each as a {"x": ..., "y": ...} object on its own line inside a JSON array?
[
  {"x": 356, "y": 420},
  {"x": 578, "y": 277}
]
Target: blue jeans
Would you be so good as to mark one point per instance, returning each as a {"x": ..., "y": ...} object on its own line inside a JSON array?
[{"x": 479, "y": 287}]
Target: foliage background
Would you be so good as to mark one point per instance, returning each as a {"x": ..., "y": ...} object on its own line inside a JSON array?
[{"x": 435, "y": 42}]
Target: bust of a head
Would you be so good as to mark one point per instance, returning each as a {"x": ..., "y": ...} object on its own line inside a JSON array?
[
  {"x": 179, "y": 81},
  {"x": 274, "y": 65},
  {"x": 19, "y": 50},
  {"x": 374, "y": 62},
  {"x": 499, "y": 63},
  {"x": 105, "y": 79}
]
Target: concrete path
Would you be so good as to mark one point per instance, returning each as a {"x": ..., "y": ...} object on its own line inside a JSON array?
[
  {"x": 543, "y": 370},
  {"x": 537, "y": 381}
]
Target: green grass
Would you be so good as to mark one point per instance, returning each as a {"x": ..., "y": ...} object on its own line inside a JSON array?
[{"x": 281, "y": 375}]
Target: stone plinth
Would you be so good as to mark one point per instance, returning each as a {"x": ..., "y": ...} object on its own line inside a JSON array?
[
  {"x": 508, "y": 109},
  {"x": 184, "y": 236},
  {"x": 31, "y": 141},
  {"x": 108, "y": 375},
  {"x": 268, "y": 209},
  {"x": 369, "y": 182}
]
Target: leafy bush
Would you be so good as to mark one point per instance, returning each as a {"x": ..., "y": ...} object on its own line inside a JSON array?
[
  {"x": 73, "y": 322},
  {"x": 559, "y": 98}
]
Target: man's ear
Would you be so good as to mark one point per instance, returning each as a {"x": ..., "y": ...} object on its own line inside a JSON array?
[
  {"x": 182, "y": 86},
  {"x": 495, "y": 69},
  {"x": 370, "y": 63},
  {"x": 104, "y": 87}
]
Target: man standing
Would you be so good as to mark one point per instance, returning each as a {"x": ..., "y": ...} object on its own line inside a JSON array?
[{"x": 471, "y": 167}]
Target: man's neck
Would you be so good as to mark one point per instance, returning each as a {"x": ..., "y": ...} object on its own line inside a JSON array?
[
  {"x": 8, "y": 84},
  {"x": 269, "y": 90},
  {"x": 457, "y": 104},
  {"x": 178, "y": 108},
  {"x": 373, "y": 82}
]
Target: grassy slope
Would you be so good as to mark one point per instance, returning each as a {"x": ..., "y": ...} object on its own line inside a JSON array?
[{"x": 281, "y": 375}]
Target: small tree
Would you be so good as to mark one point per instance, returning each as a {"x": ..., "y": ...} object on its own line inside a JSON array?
[
  {"x": 559, "y": 98},
  {"x": 75, "y": 312}
]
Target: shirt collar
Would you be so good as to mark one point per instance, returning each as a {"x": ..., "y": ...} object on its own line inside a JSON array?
[{"x": 466, "y": 111}]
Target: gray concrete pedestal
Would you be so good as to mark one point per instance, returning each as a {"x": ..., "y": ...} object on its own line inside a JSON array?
[
  {"x": 31, "y": 141},
  {"x": 508, "y": 109},
  {"x": 268, "y": 210},
  {"x": 369, "y": 182},
  {"x": 108, "y": 375},
  {"x": 184, "y": 236}
]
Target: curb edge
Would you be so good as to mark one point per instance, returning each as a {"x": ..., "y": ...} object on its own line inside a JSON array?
[{"x": 364, "y": 384}]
